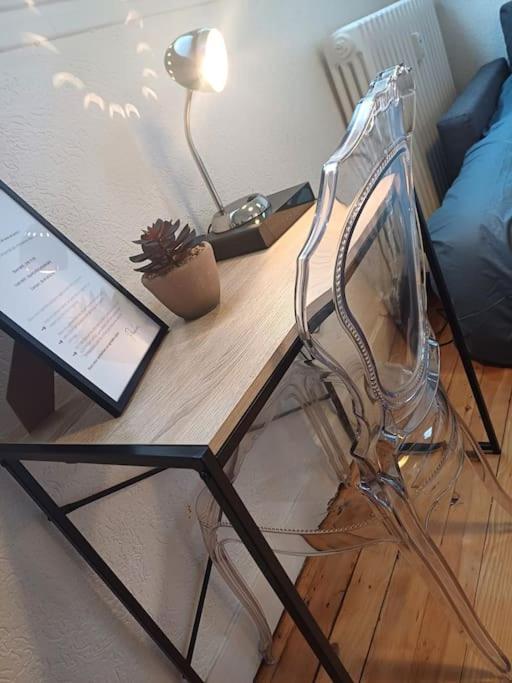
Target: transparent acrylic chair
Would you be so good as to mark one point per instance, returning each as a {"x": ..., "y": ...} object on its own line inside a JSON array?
[{"x": 386, "y": 439}]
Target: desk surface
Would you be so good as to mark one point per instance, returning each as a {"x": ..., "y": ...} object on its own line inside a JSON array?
[{"x": 207, "y": 372}]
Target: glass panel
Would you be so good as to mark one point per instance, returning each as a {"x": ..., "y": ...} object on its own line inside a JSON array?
[{"x": 381, "y": 278}]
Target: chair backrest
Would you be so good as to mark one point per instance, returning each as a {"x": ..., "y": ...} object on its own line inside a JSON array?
[{"x": 366, "y": 205}]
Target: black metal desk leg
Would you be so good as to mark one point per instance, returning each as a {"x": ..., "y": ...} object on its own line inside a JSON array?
[
  {"x": 493, "y": 445},
  {"x": 234, "y": 509},
  {"x": 100, "y": 567}
]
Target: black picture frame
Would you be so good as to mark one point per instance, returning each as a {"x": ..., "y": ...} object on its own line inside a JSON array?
[{"x": 10, "y": 327}]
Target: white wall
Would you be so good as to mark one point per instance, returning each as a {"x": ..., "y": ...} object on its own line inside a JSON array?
[
  {"x": 472, "y": 35},
  {"x": 100, "y": 176}
]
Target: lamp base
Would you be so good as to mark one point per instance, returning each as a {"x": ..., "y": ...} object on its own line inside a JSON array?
[
  {"x": 287, "y": 206},
  {"x": 249, "y": 210}
]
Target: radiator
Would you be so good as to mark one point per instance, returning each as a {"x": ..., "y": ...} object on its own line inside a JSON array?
[{"x": 405, "y": 32}]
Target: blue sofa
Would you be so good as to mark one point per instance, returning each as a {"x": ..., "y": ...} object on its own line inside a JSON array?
[{"x": 471, "y": 230}]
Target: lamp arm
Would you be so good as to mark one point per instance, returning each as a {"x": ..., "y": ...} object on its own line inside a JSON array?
[{"x": 197, "y": 158}]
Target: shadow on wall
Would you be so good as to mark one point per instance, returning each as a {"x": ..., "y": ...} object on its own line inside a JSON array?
[
  {"x": 92, "y": 100},
  {"x": 450, "y": 26},
  {"x": 8, "y": 420},
  {"x": 472, "y": 35},
  {"x": 40, "y": 605},
  {"x": 60, "y": 606},
  {"x": 152, "y": 140}
]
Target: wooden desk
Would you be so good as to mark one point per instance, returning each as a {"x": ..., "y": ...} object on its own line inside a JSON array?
[
  {"x": 205, "y": 376},
  {"x": 207, "y": 372}
]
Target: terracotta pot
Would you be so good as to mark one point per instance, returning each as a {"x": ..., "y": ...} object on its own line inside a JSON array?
[{"x": 190, "y": 290}]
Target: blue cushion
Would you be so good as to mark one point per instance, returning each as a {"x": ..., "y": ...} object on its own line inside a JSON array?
[
  {"x": 467, "y": 119},
  {"x": 471, "y": 236}
]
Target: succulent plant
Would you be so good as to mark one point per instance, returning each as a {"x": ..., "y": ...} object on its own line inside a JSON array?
[{"x": 164, "y": 246}]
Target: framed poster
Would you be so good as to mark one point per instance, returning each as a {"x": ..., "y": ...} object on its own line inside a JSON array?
[{"x": 69, "y": 311}]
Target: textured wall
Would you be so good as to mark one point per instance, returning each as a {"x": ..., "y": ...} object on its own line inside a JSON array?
[
  {"x": 100, "y": 171},
  {"x": 472, "y": 35}
]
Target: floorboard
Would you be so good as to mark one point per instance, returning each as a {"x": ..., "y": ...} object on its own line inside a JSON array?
[{"x": 377, "y": 613}]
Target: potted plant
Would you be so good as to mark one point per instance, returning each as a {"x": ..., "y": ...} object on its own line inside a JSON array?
[{"x": 181, "y": 270}]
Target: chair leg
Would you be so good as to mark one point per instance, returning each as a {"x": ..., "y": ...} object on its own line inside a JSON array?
[
  {"x": 390, "y": 498},
  {"x": 222, "y": 562},
  {"x": 224, "y": 565},
  {"x": 482, "y": 468},
  {"x": 330, "y": 445}
]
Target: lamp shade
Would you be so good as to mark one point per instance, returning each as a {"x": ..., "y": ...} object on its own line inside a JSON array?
[{"x": 198, "y": 60}]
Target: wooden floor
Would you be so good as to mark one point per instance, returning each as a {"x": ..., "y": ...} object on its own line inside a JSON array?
[{"x": 385, "y": 625}]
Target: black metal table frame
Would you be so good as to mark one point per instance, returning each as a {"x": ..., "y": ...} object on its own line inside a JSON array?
[
  {"x": 210, "y": 468},
  {"x": 492, "y": 445}
]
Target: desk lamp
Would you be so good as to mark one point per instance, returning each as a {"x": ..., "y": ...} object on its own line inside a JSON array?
[{"x": 198, "y": 61}]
